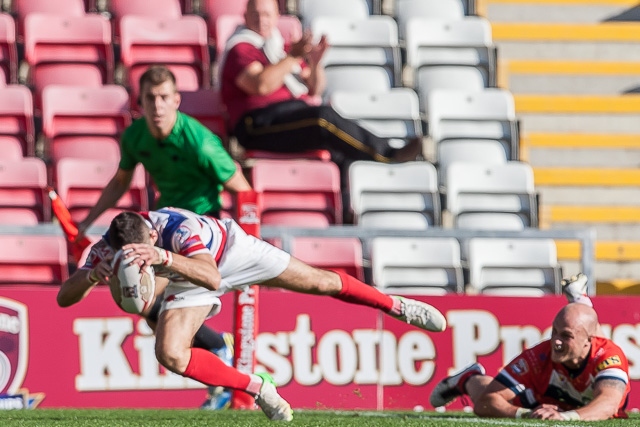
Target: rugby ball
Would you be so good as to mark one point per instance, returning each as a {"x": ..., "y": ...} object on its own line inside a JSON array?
[{"x": 132, "y": 287}]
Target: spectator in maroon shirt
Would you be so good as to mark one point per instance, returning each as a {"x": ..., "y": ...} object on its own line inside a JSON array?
[{"x": 267, "y": 88}]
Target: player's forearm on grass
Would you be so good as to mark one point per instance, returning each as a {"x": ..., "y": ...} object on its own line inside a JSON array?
[
  {"x": 607, "y": 397},
  {"x": 495, "y": 406},
  {"x": 75, "y": 288}
]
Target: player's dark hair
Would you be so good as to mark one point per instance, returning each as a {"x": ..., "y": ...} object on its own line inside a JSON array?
[
  {"x": 156, "y": 75},
  {"x": 127, "y": 227}
]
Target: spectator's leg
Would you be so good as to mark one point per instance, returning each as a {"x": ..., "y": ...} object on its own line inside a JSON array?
[{"x": 295, "y": 127}]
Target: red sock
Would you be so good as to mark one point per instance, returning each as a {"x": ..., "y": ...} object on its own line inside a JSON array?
[
  {"x": 209, "y": 369},
  {"x": 355, "y": 292}
]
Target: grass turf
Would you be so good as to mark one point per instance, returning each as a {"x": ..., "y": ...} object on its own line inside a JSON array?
[{"x": 128, "y": 417}]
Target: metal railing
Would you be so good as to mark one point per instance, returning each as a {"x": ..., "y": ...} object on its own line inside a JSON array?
[{"x": 586, "y": 237}]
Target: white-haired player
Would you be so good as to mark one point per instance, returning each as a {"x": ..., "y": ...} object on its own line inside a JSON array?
[
  {"x": 204, "y": 258},
  {"x": 575, "y": 375}
]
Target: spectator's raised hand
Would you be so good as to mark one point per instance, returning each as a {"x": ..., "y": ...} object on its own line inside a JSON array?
[
  {"x": 302, "y": 47},
  {"x": 317, "y": 51}
]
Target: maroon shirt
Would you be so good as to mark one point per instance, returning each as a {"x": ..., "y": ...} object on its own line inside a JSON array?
[{"x": 238, "y": 102}]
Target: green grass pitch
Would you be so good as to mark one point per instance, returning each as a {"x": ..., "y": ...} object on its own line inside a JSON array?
[{"x": 229, "y": 418}]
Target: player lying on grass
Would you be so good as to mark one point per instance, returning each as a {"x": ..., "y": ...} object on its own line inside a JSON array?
[
  {"x": 575, "y": 375},
  {"x": 204, "y": 258}
]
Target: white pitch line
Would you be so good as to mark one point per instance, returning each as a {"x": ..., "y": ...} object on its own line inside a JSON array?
[{"x": 490, "y": 421}]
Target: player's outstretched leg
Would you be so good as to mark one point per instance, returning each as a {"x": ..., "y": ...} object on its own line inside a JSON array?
[
  {"x": 574, "y": 289},
  {"x": 407, "y": 310},
  {"x": 300, "y": 277},
  {"x": 447, "y": 390},
  {"x": 271, "y": 403}
]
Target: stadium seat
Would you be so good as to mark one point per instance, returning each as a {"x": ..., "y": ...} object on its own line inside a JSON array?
[
  {"x": 430, "y": 9},
  {"x": 16, "y": 116},
  {"x": 18, "y": 217},
  {"x": 308, "y": 188},
  {"x": 180, "y": 44},
  {"x": 213, "y": 10},
  {"x": 206, "y": 106},
  {"x": 81, "y": 181},
  {"x": 8, "y": 50},
  {"x": 417, "y": 265},
  {"x": 487, "y": 151},
  {"x": 308, "y": 10},
  {"x": 410, "y": 188},
  {"x": 165, "y": 9},
  {"x": 68, "y": 50},
  {"x": 527, "y": 267},
  {"x": 306, "y": 155},
  {"x": 486, "y": 114},
  {"x": 84, "y": 122},
  {"x": 332, "y": 253},
  {"x": 33, "y": 259},
  {"x": 356, "y": 78},
  {"x": 23, "y": 187},
  {"x": 451, "y": 42},
  {"x": 368, "y": 42},
  {"x": 22, "y": 8},
  {"x": 10, "y": 148},
  {"x": 452, "y": 77},
  {"x": 392, "y": 114},
  {"x": 505, "y": 190}
]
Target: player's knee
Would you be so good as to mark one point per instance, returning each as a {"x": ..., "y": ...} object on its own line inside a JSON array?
[{"x": 172, "y": 357}]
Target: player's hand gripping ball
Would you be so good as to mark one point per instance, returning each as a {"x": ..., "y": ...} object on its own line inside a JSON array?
[{"x": 132, "y": 287}]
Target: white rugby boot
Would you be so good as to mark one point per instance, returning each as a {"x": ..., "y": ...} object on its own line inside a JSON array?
[
  {"x": 421, "y": 314},
  {"x": 575, "y": 287},
  {"x": 271, "y": 403}
]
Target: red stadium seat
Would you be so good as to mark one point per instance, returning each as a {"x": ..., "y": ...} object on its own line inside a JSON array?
[
  {"x": 206, "y": 106},
  {"x": 212, "y": 10},
  {"x": 22, "y": 8},
  {"x": 16, "y": 116},
  {"x": 10, "y": 148},
  {"x": 308, "y": 188},
  {"x": 335, "y": 253},
  {"x": 84, "y": 122},
  {"x": 180, "y": 44},
  {"x": 8, "y": 50},
  {"x": 68, "y": 50},
  {"x": 302, "y": 155},
  {"x": 21, "y": 217},
  {"x": 23, "y": 187},
  {"x": 165, "y": 9},
  {"x": 33, "y": 259},
  {"x": 80, "y": 183}
]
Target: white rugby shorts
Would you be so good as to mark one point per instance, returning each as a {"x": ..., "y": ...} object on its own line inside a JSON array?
[{"x": 245, "y": 261}]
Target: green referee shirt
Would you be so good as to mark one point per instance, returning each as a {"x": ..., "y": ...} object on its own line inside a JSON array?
[{"x": 189, "y": 166}]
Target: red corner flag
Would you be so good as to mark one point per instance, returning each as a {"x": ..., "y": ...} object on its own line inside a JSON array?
[{"x": 69, "y": 227}]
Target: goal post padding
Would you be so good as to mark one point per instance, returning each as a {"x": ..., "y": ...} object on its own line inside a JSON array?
[{"x": 245, "y": 326}]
